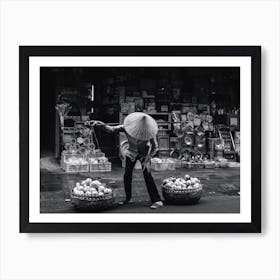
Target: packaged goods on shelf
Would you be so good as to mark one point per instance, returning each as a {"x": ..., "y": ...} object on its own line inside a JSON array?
[
  {"x": 151, "y": 110},
  {"x": 183, "y": 117},
  {"x": 129, "y": 99},
  {"x": 121, "y": 91},
  {"x": 189, "y": 108},
  {"x": 163, "y": 142},
  {"x": 128, "y": 107},
  {"x": 174, "y": 143},
  {"x": 203, "y": 108},
  {"x": 139, "y": 102},
  {"x": 197, "y": 120},
  {"x": 162, "y": 132},
  {"x": 164, "y": 108}
]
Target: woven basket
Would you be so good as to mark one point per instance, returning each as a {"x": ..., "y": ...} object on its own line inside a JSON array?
[
  {"x": 97, "y": 203},
  {"x": 189, "y": 196}
]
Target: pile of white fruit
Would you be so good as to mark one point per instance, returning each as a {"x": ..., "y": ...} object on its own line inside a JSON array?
[
  {"x": 98, "y": 160},
  {"x": 76, "y": 161},
  {"x": 91, "y": 188},
  {"x": 162, "y": 160},
  {"x": 180, "y": 184}
]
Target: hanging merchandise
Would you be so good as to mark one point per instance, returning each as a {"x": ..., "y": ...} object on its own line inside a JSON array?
[
  {"x": 85, "y": 132},
  {"x": 229, "y": 145},
  {"x": 80, "y": 140},
  {"x": 177, "y": 126},
  {"x": 175, "y": 153},
  {"x": 82, "y": 150},
  {"x": 190, "y": 116},
  {"x": 205, "y": 126},
  {"x": 187, "y": 153},
  {"x": 62, "y": 110},
  {"x": 67, "y": 146},
  {"x": 188, "y": 140},
  {"x": 86, "y": 141},
  {"x": 200, "y": 139},
  {"x": 219, "y": 144},
  {"x": 197, "y": 120},
  {"x": 209, "y": 118},
  {"x": 84, "y": 156},
  {"x": 73, "y": 149},
  {"x": 91, "y": 146}
]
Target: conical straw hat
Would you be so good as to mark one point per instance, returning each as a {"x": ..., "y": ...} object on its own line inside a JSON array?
[{"x": 140, "y": 126}]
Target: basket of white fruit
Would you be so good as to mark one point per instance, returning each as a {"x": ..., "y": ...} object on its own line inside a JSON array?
[
  {"x": 92, "y": 195},
  {"x": 185, "y": 190}
]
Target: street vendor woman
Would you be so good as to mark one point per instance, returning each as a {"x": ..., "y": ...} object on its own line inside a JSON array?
[{"x": 141, "y": 130}]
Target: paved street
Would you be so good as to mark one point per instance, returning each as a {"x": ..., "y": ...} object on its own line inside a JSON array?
[{"x": 220, "y": 195}]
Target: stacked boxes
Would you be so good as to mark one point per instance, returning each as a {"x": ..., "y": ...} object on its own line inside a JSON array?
[
  {"x": 92, "y": 162},
  {"x": 72, "y": 163},
  {"x": 98, "y": 162}
]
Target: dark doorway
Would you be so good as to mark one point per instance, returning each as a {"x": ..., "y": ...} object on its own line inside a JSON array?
[{"x": 47, "y": 111}]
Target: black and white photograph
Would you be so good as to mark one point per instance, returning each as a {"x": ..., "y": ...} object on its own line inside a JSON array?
[
  {"x": 140, "y": 139},
  {"x": 133, "y": 135}
]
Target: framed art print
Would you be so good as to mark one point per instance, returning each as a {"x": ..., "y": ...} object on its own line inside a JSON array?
[{"x": 140, "y": 138}]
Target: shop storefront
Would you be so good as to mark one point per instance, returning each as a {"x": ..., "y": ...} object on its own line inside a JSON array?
[{"x": 197, "y": 111}]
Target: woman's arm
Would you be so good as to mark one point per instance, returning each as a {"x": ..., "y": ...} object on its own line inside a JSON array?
[
  {"x": 107, "y": 128},
  {"x": 113, "y": 129},
  {"x": 154, "y": 147}
]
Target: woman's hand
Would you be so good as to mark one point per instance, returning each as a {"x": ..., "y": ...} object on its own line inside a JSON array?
[
  {"x": 99, "y": 123},
  {"x": 94, "y": 123},
  {"x": 146, "y": 163}
]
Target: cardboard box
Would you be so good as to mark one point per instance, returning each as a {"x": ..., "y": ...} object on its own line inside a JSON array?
[
  {"x": 151, "y": 110},
  {"x": 128, "y": 107},
  {"x": 164, "y": 108}
]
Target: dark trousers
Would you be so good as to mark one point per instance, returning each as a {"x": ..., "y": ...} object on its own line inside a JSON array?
[{"x": 150, "y": 184}]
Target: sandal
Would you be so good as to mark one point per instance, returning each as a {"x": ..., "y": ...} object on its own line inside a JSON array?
[{"x": 156, "y": 205}]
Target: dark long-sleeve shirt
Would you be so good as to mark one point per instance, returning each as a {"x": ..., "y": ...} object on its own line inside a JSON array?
[{"x": 136, "y": 147}]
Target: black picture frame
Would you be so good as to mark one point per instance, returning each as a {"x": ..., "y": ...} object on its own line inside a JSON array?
[{"x": 25, "y": 52}]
